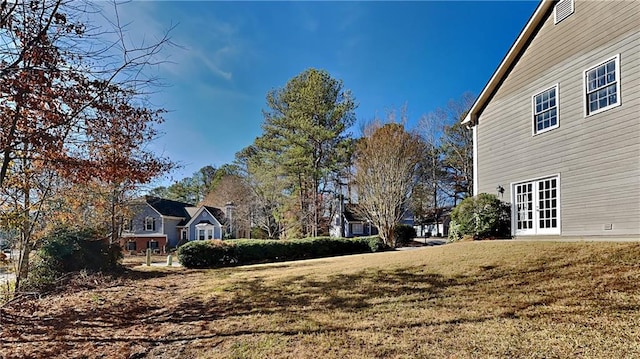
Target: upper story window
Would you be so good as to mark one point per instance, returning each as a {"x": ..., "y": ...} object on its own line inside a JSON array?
[
  {"x": 562, "y": 10},
  {"x": 602, "y": 86},
  {"x": 149, "y": 224},
  {"x": 126, "y": 225},
  {"x": 545, "y": 110}
]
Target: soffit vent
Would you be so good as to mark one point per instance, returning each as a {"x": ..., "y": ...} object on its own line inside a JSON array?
[{"x": 562, "y": 10}]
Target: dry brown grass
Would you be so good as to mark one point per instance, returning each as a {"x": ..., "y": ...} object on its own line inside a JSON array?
[
  {"x": 140, "y": 259},
  {"x": 468, "y": 300}
]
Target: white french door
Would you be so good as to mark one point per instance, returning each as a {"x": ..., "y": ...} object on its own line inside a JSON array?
[{"x": 536, "y": 207}]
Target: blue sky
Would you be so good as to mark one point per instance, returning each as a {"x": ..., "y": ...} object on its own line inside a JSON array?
[{"x": 388, "y": 54}]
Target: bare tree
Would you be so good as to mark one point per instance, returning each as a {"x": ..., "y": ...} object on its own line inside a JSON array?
[
  {"x": 387, "y": 161},
  {"x": 447, "y": 169},
  {"x": 54, "y": 68},
  {"x": 457, "y": 149},
  {"x": 233, "y": 190},
  {"x": 72, "y": 108}
]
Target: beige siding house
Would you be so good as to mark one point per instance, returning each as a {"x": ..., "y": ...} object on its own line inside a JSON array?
[{"x": 557, "y": 127}]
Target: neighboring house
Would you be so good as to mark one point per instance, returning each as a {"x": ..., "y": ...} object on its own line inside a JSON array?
[
  {"x": 432, "y": 226},
  {"x": 557, "y": 128},
  {"x": 348, "y": 222},
  {"x": 159, "y": 223}
]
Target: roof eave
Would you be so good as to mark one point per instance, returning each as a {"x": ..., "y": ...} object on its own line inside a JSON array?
[{"x": 503, "y": 69}]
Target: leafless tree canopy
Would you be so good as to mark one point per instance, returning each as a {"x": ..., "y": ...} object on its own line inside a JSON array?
[{"x": 387, "y": 161}]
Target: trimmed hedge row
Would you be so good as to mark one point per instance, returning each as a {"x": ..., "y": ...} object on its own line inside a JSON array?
[{"x": 217, "y": 253}]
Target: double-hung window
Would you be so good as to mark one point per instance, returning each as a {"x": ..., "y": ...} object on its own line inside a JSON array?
[
  {"x": 545, "y": 110},
  {"x": 149, "y": 224},
  {"x": 602, "y": 86}
]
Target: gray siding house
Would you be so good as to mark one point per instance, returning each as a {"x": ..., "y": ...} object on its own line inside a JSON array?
[
  {"x": 159, "y": 223},
  {"x": 557, "y": 127},
  {"x": 348, "y": 222}
]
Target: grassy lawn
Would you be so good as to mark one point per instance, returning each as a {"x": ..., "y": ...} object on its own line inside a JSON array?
[{"x": 469, "y": 300}]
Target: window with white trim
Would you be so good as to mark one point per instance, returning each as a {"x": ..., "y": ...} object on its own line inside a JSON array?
[
  {"x": 602, "y": 86},
  {"x": 149, "y": 224},
  {"x": 357, "y": 228},
  {"x": 545, "y": 110}
]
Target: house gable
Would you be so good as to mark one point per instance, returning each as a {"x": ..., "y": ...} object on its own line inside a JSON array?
[
  {"x": 142, "y": 214},
  {"x": 204, "y": 216}
]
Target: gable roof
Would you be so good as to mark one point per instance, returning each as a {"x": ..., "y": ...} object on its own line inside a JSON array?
[
  {"x": 352, "y": 213},
  {"x": 186, "y": 211},
  {"x": 519, "y": 46},
  {"x": 217, "y": 213},
  {"x": 167, "y": 207}
]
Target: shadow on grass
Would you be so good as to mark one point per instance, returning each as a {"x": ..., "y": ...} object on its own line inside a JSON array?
[
  {"x": 498, "y": 291},
  {"x": 295, "y": 296}
]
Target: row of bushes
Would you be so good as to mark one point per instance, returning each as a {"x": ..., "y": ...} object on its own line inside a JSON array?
[{"x": 216, "y": 253}]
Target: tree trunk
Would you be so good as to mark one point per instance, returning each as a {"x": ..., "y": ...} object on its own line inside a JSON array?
[{"x": 25, "y": 238}]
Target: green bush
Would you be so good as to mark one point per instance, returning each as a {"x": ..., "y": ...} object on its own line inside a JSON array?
[
  {"x": 207, "y": 254},
  {"x": 259, "y": 233},
  {"x": 211, "y": 254},
  {"x": 480, "y": 217},
  {"x": 374, "y": 242},
  {"x": 404, "y": 233},
  {"x": 71, "y": 250}
]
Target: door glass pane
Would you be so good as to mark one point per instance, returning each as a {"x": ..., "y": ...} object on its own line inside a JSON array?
[
  {"x": 547, "y": 199},
  {"x": 524, "y": 206}
]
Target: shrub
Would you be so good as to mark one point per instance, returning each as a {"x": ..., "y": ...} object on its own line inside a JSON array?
[
  {"x": 482, "y": 216},
  {"x": 374, "y": 242},
  {"x": 207, "y": 254},
  {"x": 211, "y": 254},
  {"x": 404, "y": 233},
  {"x": 71, "y": 250},
  {"x": 259, "y": 233}
]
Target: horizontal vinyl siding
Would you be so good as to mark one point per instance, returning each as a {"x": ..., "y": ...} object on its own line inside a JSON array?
[
  {"x": 598, "y": 156},
  {"x": 171, "y": 231}
]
